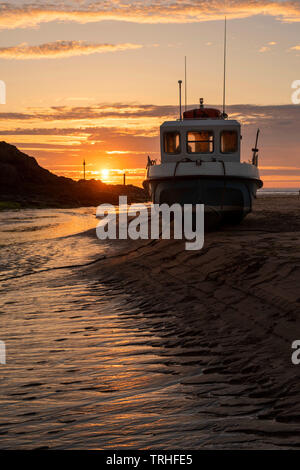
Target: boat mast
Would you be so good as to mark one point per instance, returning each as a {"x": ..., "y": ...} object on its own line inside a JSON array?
[
  {"x": 224, "y": 75},
  {"x": 180, "y": 113},
  {"x": 185, "y": 85}
]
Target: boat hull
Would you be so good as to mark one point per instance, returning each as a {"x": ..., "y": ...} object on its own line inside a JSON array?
[{"x": 225, "y": 199}]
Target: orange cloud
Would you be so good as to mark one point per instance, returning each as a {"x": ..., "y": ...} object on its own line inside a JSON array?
[
  {"x": 268, "y": 115},
  {"x": 159, "y": 11},
  {"x": 264, "y": 49},
  {"x": 267, "y": 48},
  {"x": 59, "y": 49},
  {"x": 103, "y": 110}
]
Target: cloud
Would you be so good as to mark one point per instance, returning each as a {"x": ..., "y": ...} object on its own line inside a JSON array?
[
  {"x": 153, "y": 11},
  {"x": 267, "y": 48},
  {"x": 59, "y": 49},
  {"x": 264, "y": 49},
  {"x": 248, "y": 114},
  {"x": 115, "y": 110}
]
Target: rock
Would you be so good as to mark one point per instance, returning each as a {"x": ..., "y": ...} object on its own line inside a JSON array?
[{"x": 24, "y": 181}]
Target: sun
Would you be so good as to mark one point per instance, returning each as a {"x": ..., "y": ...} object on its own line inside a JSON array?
[{"x": 105, "y": 173}]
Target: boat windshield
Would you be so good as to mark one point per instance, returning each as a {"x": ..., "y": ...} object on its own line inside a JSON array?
[
  {"x": 200, "y": 142},
  {"x": 172, "y": 142},
  {"x": 229, "y": 141}
]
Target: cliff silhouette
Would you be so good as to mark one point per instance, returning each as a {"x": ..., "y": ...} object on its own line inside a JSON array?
[{"x": 24, "y": 182}]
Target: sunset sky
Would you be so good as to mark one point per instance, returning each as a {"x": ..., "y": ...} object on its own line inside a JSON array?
[{"x": 95, "y": 80}]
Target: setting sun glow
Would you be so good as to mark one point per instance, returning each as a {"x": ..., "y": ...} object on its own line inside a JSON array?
[{"x": 104, "y": 173}]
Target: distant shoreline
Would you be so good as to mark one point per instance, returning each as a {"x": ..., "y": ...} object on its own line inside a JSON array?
[
  {"x": 281, "y": 191},
  {"x": 16, "y": 205}
]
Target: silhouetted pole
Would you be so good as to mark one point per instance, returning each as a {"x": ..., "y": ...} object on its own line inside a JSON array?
[
  {"x": 224, "y": 79},
  {"x": 124, "y": 179},
  {"x": 180, "y": 114},
  {"x": 185, "y": 85},
  {"x": 84, "y": 169}
]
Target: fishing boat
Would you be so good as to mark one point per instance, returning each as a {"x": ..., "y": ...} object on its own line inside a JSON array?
[{"x": 201, "y": 163}]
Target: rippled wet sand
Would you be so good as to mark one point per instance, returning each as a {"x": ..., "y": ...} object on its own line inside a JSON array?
[
  {"x": 160, "y": 348},
  {"x": 83, "y": 372}
]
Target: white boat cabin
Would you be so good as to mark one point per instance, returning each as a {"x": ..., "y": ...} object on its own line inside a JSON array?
[{"x": 204, "y": 140}]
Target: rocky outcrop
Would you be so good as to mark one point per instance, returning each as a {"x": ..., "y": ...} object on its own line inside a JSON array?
[{"x": 24, "y": 181}]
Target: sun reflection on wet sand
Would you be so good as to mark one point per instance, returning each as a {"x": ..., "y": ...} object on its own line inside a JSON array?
[{"x": 77, "y": 371}]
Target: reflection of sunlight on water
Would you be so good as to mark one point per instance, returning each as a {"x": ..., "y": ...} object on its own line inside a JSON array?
[
  {"x": 35, "y": 239},
  {"x": 44, "y": 223},
  {"x": 79, "y": 368}
]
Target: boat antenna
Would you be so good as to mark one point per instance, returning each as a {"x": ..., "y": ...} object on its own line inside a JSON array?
[
  {"x": 224, "y": 75},
  {"x": 180, "y": 114},
  {"x": 255, "y": 150},
  {"x": 185, "y": 85}
]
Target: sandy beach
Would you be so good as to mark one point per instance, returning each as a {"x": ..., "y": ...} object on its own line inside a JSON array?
[
  {"x": 234, "y": 308},
  {"x": 153, "y": 346}
]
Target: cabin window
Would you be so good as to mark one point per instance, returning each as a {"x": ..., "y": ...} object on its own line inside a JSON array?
[
  {"x": 229, "y": 141},
  {"x": 172, "y": 142},
  {"x": 200, "y": 142}
]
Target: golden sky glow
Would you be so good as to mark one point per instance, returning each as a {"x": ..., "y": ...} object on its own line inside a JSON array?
[{"x": 95, "y": 80}]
